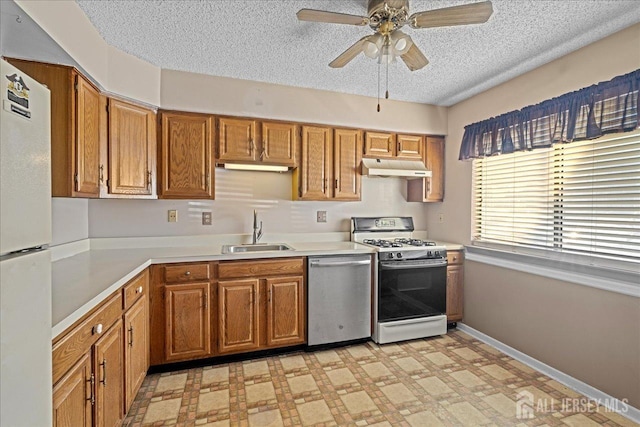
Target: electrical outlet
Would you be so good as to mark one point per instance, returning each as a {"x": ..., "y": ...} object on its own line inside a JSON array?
[
  {"x": 321, "y": 216},
  {"x": 440, "y": 218},
  {"x": 206, "y": 218},
  {"x": 173, "y": 215}
]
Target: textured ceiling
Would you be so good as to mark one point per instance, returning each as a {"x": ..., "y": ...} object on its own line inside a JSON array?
[{"x": 262, "y": 40}]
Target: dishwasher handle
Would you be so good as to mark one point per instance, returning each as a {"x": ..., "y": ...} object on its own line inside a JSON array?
[{"x": 320, "y": 263}]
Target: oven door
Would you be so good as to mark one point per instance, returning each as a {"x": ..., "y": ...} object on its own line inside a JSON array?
[{"x": 411, "y": 289}]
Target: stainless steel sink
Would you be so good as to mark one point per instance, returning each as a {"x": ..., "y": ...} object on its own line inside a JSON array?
[{"x": 260, "y": 247}]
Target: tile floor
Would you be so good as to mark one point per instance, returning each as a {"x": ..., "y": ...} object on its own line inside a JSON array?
[{"x": 453, "y": 380}]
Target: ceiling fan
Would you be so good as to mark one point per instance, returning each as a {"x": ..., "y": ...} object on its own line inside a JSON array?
[{"x": 386, "y": 18}]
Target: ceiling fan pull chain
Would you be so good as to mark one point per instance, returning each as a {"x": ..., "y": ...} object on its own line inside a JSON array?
[
  {"x": 386, "y": 94},
  {"x": 378, "y": 87}
]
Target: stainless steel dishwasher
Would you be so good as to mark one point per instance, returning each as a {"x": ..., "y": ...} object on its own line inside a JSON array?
[{"x": 339, "y": 289}]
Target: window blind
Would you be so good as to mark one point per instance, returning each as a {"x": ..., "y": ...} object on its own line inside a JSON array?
[{"x": 581, "y": 198}]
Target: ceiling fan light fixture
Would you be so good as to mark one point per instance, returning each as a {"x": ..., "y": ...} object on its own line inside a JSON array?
[
  {"x": 387, "y": 55},
  {"x": 401, "y": 42},
  {"x": 373, "y": 46}
]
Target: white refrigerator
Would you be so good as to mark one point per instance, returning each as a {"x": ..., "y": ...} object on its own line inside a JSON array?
[{"x": 25, "y": 261}]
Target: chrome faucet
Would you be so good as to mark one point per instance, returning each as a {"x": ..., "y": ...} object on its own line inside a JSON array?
[{"x": 257, "y": 231}]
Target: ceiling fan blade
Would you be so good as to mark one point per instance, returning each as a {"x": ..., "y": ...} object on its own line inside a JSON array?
[
  {"x": 331, "y": 17},
  {"x": 474, "y": 13},
  {"x": 346, "y": 56},
  {"x": 414, "y": 58}
]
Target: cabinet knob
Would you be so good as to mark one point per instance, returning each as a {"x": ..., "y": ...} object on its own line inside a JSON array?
[
  {"x": 187, "y": 273},
  {"x": 455, "y": 258},
  {"x": 139, "y": 290},
  {"x": 97, "y": 329}
]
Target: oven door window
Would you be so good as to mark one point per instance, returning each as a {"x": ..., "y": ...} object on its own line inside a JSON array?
[{"x": 407, "y": 292}]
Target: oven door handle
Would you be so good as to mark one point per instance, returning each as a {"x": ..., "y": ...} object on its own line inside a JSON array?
[{"x": 404, "y": 265}]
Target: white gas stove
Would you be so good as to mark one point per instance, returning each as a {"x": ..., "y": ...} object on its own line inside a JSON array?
[{"x": 410, "y": 288}]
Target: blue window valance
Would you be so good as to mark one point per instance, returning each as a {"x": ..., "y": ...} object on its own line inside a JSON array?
[{"x": 587, "y": 113}]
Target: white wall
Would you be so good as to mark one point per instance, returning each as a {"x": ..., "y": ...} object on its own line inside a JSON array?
[
  {"x": 222, "y": 95},
  {"x": 238, "y": 193},
  {"x": 69, "y": 220}
]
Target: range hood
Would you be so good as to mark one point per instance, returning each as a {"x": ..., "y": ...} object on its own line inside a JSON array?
[{"x": 387, "y": 167}]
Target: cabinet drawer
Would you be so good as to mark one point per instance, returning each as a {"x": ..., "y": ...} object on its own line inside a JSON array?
[
  {"x": 79, "y": 340},
  {"x": 186, "y": 272},
  {"x": 260, "y": 268},
  {"x": 455, "y": 257},
  {"x": 135, "y": 289}
]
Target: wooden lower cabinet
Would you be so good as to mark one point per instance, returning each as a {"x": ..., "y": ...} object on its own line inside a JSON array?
[
  {"x": 101, "y": 361},
  {"x": 108, "y": 370},
  {"x": 285, "y": 311},
  {"x": 136, "y": 348},
  {"x": 73, "y": 396},
  {"x": 455, "y": 286},
  {"x": 188, "y": 321},
  {"x": 238, "y": 312}
]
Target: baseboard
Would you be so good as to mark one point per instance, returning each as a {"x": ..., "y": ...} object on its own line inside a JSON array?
[{"x": 583, "y": 388}]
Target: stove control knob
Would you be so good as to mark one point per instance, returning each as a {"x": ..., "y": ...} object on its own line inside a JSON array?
[
  {"x": 437, "y": 254},
  {"x": 399, "y": 255},
  {"x": 390, "y": 255},
  {"x": 429, "y": 254}
]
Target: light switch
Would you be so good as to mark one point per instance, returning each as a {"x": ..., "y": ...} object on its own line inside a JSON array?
[{"x": 321, "y": 216}]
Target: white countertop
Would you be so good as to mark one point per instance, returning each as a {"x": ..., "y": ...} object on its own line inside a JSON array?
[{"x": 82, "y": 281}]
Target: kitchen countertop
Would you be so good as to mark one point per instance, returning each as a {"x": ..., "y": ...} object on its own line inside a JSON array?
[{"x": 82, "y": 281}]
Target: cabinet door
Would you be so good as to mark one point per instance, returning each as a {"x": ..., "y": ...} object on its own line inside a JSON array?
[
  {"x": 285, "y": 311},
  {"x": 87, "y": 139},
  {"x": 237, "y": 140},
  {"x": 131, "y": 149},
  {"x": 434, "y": 191},
  {"x": 379, "y": 144},
  {"x": 279, "y": 142},
  {"x": 455, "y": 283},
  {"x": 347, "y": 157},
  {"x": 238, "y": 315},
  {"x": 186, "y": 158},
  {"x": 410, "y": 146},
  {"x": 188, "y": 321},
  {"x": 73, "y": 396},
  {"x": 136, "y": 349},
  {"x": 315, "y": 176},
  {"x": 108, "y": 370}
]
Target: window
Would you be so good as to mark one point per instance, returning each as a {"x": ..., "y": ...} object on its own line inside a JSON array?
[{"x": 578, "y": 201}]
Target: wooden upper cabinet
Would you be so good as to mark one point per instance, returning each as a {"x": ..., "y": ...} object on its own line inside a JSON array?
[
  {"x": 188, "y": 321},
  {"x": 347, "y": 157},
  {"x": 87, "y": 144},
  {"x": 435, "y": 163},
  {"x": 279, "y": 141},
  {"x": 410, "y": 146},
  {"x": 238, "y": 315},
  {"x": 430, "y": 189},
  {"x": 285, "y": 311},
  {"x": 379, "y": 144},
  {"x": 186, "y": 156},
  {"x": 75, "y": 128},
  {"x": 131, "y": 148},
  {"x": 315, "y": 178},
  {"x": 237, "y": 140}
]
